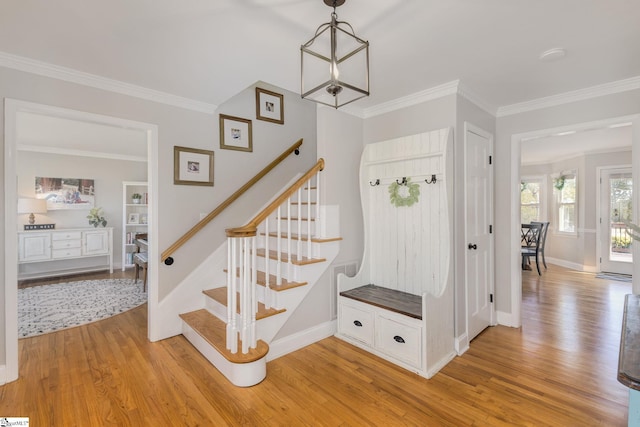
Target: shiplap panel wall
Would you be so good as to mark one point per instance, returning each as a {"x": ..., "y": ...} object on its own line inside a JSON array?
[{"x": 408, "y": 247}]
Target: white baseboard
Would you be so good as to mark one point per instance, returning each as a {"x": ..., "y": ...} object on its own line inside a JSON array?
[
  {"x": 572, "y": 265},
  {"x": 461, "y": 344},
  {"x": 507, "y": 319},
  {"x": 301, "y": 339},
  {"x": 3, "y": 374}
]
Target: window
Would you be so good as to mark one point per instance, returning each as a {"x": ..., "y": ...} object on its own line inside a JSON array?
[
  {"x": 531, "y": 198},
  {"x": 565, "y": 189}
]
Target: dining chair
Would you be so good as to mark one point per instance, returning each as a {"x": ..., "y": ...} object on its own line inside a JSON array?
[
  {"x": 140, "y": 258},
  {"x": 543, "y": 243},
  {"x": 531, "y": 244}
]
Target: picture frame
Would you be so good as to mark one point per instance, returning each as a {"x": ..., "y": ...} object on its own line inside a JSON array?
[
  {"x": 235, "y": 133},
  {"x": 192, "y": 166},
  {"x": 66, "y": 193},
  {"x": 134, "y": 218},
  {"x": 269, "y": 106}
]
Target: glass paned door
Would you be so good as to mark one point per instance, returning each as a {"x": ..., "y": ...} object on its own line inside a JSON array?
[{"x": 616, "y": 195}]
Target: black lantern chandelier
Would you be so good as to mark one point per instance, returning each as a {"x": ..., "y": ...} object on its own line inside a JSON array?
[{"x": 334, "y": 64}]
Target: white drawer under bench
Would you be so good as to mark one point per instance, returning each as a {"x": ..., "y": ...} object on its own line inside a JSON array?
[{"x": 388, "y": 324}]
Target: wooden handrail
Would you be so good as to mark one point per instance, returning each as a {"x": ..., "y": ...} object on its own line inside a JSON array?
[
  {"x": 214, "y": 213},
  {"x": 250, "y": 228}
]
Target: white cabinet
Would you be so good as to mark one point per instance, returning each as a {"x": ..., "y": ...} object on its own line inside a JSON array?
[
  {"x": 95, "y": 243},
  {"x": 34, "y": 246},
  {"x": 66, "y": 244},
  {"x": 134, "y": 217}
]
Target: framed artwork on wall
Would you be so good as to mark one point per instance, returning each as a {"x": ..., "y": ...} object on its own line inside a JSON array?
[
  {"x": 192, "y": 166},
  {"x": 66, "y": 193},
  {"x": 235, "y": 133},
  {"x": 269, "y": 106}
]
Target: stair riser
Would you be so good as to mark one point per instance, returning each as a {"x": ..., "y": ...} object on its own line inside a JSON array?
[
  {"x": 295, "y": 209},
  {"x": 303, "y": 248},
  {"x": 239, "y": 374}
]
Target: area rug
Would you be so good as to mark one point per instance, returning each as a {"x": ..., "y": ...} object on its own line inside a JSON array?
[
  {"x": 615, "y": 276},
  {"x": 49, "y": 308}
]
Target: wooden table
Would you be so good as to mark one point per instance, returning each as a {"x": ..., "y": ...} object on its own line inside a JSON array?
[{"x": 629, "y": 358}]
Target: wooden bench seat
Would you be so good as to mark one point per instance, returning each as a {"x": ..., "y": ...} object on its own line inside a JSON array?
[{"x": 389, "y": 299}]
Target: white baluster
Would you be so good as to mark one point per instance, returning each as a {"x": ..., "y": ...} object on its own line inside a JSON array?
[
  {"x": 232, "y": 332},
  {"x": 267, "y": 285}
]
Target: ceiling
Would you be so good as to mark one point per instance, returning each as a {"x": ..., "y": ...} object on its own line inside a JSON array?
[{"x": 210, "y": 50}]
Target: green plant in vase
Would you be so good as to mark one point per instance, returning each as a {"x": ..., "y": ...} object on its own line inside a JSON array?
[
  {"x": 96, "y": 217},
  {"x": 136, "y": 197}
]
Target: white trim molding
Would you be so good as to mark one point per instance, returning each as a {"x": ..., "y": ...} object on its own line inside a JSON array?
[
  {"x": 573, "y": 96},
  {"x": 74, "y": 76},
  {"x": 301, "y": 339}
]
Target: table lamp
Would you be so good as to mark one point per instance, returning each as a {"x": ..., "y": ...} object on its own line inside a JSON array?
[{"x": 32, "y": 206}]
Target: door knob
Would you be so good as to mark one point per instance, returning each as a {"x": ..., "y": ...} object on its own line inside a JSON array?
[{"x": 473, "y": 246}]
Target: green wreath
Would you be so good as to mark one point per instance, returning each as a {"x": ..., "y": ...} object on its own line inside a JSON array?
[{"x": 405, "y": 194}]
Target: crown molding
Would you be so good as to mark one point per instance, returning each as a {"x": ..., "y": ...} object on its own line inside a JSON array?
[
  {"x": 465, "y": 92},
  {"x": 436, "y": 92},
  {"x": 79, "y": 153},
  {"x": 73, "y": 76},
  {"x": 573, "y": 96}
]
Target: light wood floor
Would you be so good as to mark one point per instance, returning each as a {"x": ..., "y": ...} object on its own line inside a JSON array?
[{"x": 559, "y": 369}]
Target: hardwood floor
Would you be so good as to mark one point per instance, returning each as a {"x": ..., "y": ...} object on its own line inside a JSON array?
[{"x": 559, "y": 369}]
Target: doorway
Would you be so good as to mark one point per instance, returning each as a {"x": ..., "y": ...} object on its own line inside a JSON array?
[
  {"x": 13, "y": 108},
  {"x": 616, "y": 201}
]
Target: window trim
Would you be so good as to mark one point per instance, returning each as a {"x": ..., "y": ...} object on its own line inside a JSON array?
[{"x": 557, "y": 205}]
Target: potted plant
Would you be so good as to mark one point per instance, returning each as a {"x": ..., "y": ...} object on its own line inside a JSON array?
[
  {"x": 136, "y": 197},
  {"x": 95, "y": 217}
]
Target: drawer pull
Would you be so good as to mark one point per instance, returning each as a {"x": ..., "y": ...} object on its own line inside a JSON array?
[
  {"x": 399, "y": 339},
  {"x": 357, "y": 323}
]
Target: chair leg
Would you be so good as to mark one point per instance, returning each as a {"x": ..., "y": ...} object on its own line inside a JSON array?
[
  {"x": 538, "y": 265},
  {"x": 137, "y": 272},
  {"x": 544, "y": 261},
  {"x": 144, "y": 283}
]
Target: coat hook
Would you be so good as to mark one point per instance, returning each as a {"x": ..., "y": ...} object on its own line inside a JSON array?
[
  {"x": 433, "y": 180},
  {"x": 404, "y": 181},
  {"x": 374, "y": 183}
]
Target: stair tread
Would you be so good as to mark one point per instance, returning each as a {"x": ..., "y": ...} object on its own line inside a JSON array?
[
  {"x": 213, "y": 330},
  {"x": 220, "y": 295},
  {"x": 285, "y": 257},
  {"x": 294, "y": 236},
  {"x": 293, "y": 218}
]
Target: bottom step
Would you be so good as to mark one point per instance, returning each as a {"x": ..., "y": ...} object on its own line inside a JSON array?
[{"x": 207, "y": 333}]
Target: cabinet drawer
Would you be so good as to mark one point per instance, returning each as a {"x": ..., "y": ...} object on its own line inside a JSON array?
[
  {"x": 65, "y": 253},
  {"x": 356, "y": 323},
  {"x": 66, "y": 235},
  {"x": 399, "y": 340},
  {"x": 65, "y": 244}
]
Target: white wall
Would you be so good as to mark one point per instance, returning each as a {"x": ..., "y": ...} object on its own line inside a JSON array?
[
  {"x": 340, "y": 145},
  {"x": 108, "y": 175}
]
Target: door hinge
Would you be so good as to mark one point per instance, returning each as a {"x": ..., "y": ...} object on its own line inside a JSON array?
[
  {"x": 491, "y": 298},
  {"x": 490, "y": 229},
  {"x": 490, "y": 160}
]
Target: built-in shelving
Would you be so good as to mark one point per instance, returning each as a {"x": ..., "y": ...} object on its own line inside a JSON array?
[{"x": 134, "y": 217}]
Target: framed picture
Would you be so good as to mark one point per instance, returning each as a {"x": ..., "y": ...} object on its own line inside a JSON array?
[
  {"x": 192, "y": 166},
  {"x": 134, "y": 218},
  {"x": 66, "y": 193},
  {"x": 235, "y": 133},
  {"x": 269, "y": 106}
]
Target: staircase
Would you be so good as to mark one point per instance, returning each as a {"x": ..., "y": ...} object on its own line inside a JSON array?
[{"x": 272, "y": 263}]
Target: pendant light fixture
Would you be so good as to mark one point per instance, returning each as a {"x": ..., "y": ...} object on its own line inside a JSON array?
[{"x": 334, "y": 64}]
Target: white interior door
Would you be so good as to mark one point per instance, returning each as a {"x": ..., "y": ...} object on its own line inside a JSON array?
[
  {"x": 479, "y": 220},
  {"x": 616, "y": 191}
]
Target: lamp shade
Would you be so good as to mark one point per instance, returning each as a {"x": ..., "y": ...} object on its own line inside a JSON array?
[{"x": 32, "y": 206}]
